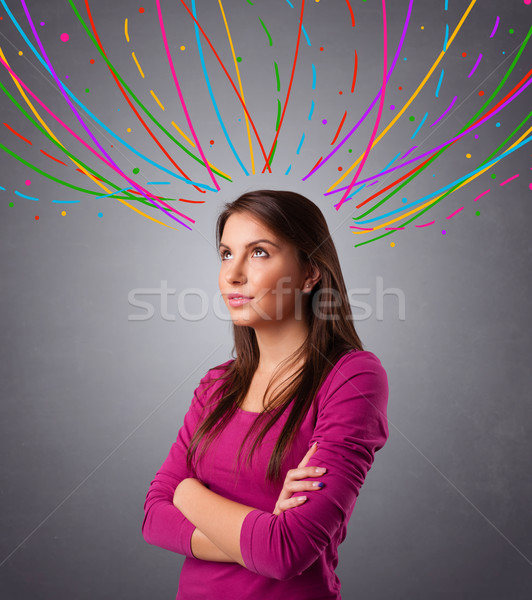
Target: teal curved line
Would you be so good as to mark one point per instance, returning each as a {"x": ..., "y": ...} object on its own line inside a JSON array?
[
  {"x": 305, "y": 34},
  {"x": 24, "y": 196},
  {"x": 207, "y": 81},
  {"x": 313, "y": 77}
]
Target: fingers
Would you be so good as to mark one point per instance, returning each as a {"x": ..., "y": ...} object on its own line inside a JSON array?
[
  {"x": 309, "y": 453},
  {"x": 290, "y": 503},
  {"x": 302, "y": 472}
]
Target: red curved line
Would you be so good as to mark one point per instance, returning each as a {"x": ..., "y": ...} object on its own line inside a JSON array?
[
  {"x": 53, "y": 158},
  {"x": 290, "y": 84},
  {"x": 355, "y": 73},
  {"x": 352, "y": 15},
  {"x": 132, "y": 106},
  {"x": 18, "y": 134},
  {"x": 338, "y": 131},
  {"x": 232, "y": 83}
]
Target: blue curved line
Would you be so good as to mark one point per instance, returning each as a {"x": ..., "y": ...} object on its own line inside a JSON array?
[
  {"x": 418, "y": 128},
  {"x": 288, "y": 170},
  {"x": 66, "y": 201},
  {"x": 311, "y": 110},
  {"x": 313, "y": 77},
  {"x": 93, "y": 116},
  {"x": 450, "y": 185},
  {"x": 300, "y": 144},
  {"x": 439, "y": 84},
  {"x": 24, "y": 196},
  {"x": 207, "y": 81},
  {"x": 305, "y": 33}
]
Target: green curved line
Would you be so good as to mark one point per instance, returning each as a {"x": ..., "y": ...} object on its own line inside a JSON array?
[
  {"x": 267, "y": 32},
  {"x": 278, "y": 114},
  {"x": 165, "y": 131},
  {"x": 277, "y": 77}
]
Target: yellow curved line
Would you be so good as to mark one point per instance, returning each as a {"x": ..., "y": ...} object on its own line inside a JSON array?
[
  {"x": 460, "y": 186},
  {"x": 137, "y": 63},
  {"x": 156, "y": 99},
  {"x": 394, "y": 120},
  {"x": 240, "y": 86},
  {"x": 184, "y": 135},
  {"x": 83, "y": 170},
  {"x": 125, "y": 30}
]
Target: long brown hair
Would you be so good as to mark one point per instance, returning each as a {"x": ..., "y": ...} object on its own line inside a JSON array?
[{"x": 294, "y": 219}]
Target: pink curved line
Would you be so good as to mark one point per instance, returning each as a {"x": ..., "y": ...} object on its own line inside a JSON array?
[
  {"x": 505, "y": 182},
  {"x": 448, "y": 109},
  {"x": 454, "y": 213},
  {"x": 136, "y": 186},
  {"x": 109, "y": 162},
  {"x": 483, "y": 194},
  {"x": 368, "y": 110},
  {"x": 381, "y": 105},
  {"x": 182, "y": 100},
  {"x": 426, "y": 224}
]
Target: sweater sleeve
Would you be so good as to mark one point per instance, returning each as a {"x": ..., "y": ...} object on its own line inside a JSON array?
[
  {"x": 351, "y": 426},
  {"x": 164, "y": 525}
]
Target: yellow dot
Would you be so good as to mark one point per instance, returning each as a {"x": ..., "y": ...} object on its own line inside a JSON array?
[
  {"x": 182, "y": 48},
  {"x": 422, "y": 26},
  {"x": 129, "y": 129},
  {"x": 63, "y": 213},
  {"x": 392, "y": 244},
  {"x": 20, "y": 52},
  {"x": 468, "y": 155}
]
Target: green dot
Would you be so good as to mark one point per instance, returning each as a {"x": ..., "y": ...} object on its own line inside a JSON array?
[
  {"x": 238, "y": 59},
  {"x": 350, "y": 150},
  {"x": 511, "y": 31},
  {"x": 87, "y": 90},
  {"x": 11, "y": 204},
  {"x": 493, "y": 175},
  {"x": 477, "y": 213},
  {"x": 136, "y": 170},
  {"x": 411, "y": 118}
]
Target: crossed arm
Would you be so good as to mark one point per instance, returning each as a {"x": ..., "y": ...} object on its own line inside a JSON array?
[{"x": 218, "y": 521}]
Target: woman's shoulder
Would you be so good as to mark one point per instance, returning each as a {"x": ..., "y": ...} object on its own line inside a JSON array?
[{"x": 362, "y": 364}]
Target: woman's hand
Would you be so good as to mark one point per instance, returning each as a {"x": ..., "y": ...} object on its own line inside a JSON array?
[{"x": 291, "y": 483}]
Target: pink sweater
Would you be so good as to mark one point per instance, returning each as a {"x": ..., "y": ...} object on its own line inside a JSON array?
[{"x": 294, "y": 554}]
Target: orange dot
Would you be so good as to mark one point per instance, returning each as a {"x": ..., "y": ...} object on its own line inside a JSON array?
[
  {"x": 339, "y": 168},
  {"x": 141, "y": 10},
  {"x": 321, "y": 49},
  {"x": 481, "y": 93},
  {"x": 464, "y": 54},
  {"x": 92, "y": 61},
  {"x": 340, "y": 92}
]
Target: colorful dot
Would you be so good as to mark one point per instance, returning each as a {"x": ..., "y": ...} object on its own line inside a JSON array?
[
  {"x": 136, "y": 170},
  {"x": 11, "y": 203},
  {"x": 27, "y": 182},
  {"x": 404, "y": 58},
  {"x": 497, "y": 124},
  {"x": 340, "y": 92},
  {"x": 476, "y": 136},
  {"x": 238, "y": 59},
  {"x": 66, "y": 76},
  {"x": 36, "y": 217},
  {"x": 182, "y": 47},
  {"x": 20, "y": 52},
  {"x": 129, "y": 129},
  {"x": 527, "y": 1},
  {"x": 324, "y": 121},
  {"x": 400, "y": 87},
  {"x": 64, "y": 37},
  {"x": 339, "y": 168},
  {"x": 42, "y": 23},
  {"x": 141, "y": 10},
  {"x": 468, "y": 155},
  {"x": 63, "y": 213},
  {"x": 405, "y": 199},
  {"x": 477, "y": 213},
  {"x": 100, "y": 215},
  {"x": 87, "y": 90},
  {"x": 321, "y": 49},
  {"x": 211, "y": 142},
  {"x": 422, "y": 26},
  {"x": 411, "y": 118},
  {"x": 350, "y": 150},
  {"x": 493, "y": 176},
  {"x": 464, "y": 54},
  {"x": 392, "y": 244},
  {"x": 92, "y": 61},
  {"x": 510, "y": 31},
  {"x": 530, "y": 185},
  {"x": 443, "y": 232},
  {"x": 481, "y": 93},
  {"x": 392, "y": 106}
]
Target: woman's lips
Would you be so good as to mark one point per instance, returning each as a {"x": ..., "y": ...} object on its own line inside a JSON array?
[{"x": 238, "y": 301}]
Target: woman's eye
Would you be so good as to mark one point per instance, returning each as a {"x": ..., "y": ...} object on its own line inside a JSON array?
[{"x": 223, "y": 254}]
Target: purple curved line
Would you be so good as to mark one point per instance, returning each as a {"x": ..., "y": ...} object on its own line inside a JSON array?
[
  {"x": 408, "y": 151},
  {"x": 495, "y": 28},
  {"x": 116, "y": 168},
  {"x": 444, "y": 113},
  {"x": 340, "y": 144},
  {"x": 476, "y": 65},
  {"x": 381, "y": 106},
  {"x": 469, "y": 130}
]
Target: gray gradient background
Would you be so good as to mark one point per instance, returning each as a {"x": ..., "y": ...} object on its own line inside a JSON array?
[{"x": 92, "y": 401}]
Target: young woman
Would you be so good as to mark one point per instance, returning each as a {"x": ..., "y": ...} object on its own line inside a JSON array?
[{"x": 302, "y": 401}]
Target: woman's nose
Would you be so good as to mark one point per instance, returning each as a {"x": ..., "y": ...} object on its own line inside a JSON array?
[{"x": 236, "y": 272}]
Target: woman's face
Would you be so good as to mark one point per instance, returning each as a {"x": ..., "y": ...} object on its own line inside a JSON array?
[{"x": 257, "y": 264}]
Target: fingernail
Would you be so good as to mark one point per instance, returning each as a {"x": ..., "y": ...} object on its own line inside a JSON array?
[
  {"x": 318, "y": 484},
  {"x": 301, "y": 498},
  {"x": 320, "y": 469}
]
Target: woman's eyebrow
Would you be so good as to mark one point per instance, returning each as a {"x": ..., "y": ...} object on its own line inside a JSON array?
[{"x": 262, "y": 241}]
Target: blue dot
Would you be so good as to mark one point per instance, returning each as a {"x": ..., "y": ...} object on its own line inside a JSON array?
[
  {"x": 240, "y": 119},
  {"x": 117, "y": 109},
  {"x": 404, "y": 58},
  {"x": 100, "y": 215},
  {"x": 405, "y": 199},
  {"x": 503, "y": 52},
  {"x": 497, "y": 124},
  {"x": 434, "y": 174}
]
